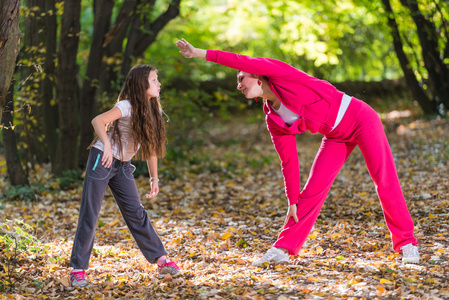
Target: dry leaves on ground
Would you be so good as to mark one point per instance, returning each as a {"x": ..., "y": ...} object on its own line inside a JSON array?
[{"x": 215, "y": 222}]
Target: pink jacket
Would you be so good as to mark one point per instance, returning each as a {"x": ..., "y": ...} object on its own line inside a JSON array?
[{"x": 315, "y": 100}]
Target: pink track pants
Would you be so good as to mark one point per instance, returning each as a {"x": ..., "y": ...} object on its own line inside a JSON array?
[{"x": 360, "y": 126}]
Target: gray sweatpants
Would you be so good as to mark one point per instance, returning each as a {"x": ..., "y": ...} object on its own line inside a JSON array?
[{"x": 119, "y": 177}]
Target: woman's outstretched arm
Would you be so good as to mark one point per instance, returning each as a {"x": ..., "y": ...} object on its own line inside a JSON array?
[{"x": 253, "y": 65}]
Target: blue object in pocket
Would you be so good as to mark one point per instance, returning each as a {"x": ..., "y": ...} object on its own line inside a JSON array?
[{"x": 96, "y": 162}]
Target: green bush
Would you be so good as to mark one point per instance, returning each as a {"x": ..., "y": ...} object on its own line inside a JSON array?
[{"x": 16, "y": 242}]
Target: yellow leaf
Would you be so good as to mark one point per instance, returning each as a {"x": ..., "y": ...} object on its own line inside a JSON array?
[
  {"x": 279, "y": 267},
  {"x": 339, "y": 257},
  {"x": 380, "y": 288},
  {"x": 255, "y": 278},
  {"x": 386, "y": 281},
  {"x": 319, "y": 250},
  {"x": 225, "y": 236},
  {"x": 53, "y": 267},
  {"x": 440, "y": 250},
  {"x": 313, "y": 279}
]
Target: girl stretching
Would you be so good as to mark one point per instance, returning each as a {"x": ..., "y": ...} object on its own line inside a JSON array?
[
  {"x": 134, "y": 122},
  {"x": 295, "y": 102}
]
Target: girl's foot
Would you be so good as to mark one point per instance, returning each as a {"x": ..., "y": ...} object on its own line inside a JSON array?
[
  {"x": 78, "y": 278},
  {"x": 166, "y": 266},
  {"x": 273, "y": 255}
]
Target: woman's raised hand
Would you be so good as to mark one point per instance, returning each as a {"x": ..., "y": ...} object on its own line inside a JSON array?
[{"x": 187, "y": 50}]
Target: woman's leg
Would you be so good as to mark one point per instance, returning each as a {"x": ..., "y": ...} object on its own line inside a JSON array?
[
  {"x": 94, "y": 187},
  {"x": 374, "y": 146},
  {"x": 124, "y": 189},
  {"x": 328, "y": 162}
]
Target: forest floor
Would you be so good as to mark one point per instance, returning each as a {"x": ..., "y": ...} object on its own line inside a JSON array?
[{"x": 222, "y": 206}]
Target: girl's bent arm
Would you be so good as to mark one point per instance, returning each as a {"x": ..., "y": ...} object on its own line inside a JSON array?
[{"x": 99, "y": 125}]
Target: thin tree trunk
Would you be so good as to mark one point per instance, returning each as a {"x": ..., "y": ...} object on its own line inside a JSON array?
[
  {"x": 16, "y": 173},
  {"x": 102, "y": 20},
  {"x": 49, "y": 107},
  {"x": 66, "y": 89},
  {"x": 113, "y": 44},
  {"x": 10, "y": 36},
  {"x": 428, "y": 107},
  {"x": 142, "y": 39}
]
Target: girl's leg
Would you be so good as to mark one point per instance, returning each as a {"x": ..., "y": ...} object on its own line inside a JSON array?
[
  {"x": 374, "y": 146},
  {"x": 124, "y": 189},
  {"x": 328, "y": 162},
  {"x": 94, "y": 187}
]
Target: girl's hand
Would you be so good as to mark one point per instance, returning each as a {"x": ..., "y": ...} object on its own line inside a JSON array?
[
  {"x": 187, "y": 50},
  {"x": 154, "y": 189},
  {"x": 291, "y": 213},
  {"x": 107, "y": 158}
]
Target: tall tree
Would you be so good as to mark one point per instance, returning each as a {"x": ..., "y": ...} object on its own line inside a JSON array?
[
  {"x": 428, "y": 106},
  {"x": 10, "y": 36},
  {"x": 66, "y": 89},
  {"x": 132, "y": 33},
  {"x": 438, "y": 71},
  {"x": 102, "y": 20},
  {"x": 436, "y": 96}
]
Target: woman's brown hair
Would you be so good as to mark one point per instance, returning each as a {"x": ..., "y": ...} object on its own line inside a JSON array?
[{"x": 148, "y": 125}]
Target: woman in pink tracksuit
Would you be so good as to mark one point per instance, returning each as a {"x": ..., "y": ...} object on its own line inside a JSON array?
[{"x": 295, "y": 102}]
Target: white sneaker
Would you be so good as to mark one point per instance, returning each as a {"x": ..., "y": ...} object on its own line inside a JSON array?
[
  {"x": 273, "y": 254},
  {"x": 410, "y": 254}
]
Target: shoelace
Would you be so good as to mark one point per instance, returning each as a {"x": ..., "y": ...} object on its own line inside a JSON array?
[
  {"x": 79, "y": 276},
  {"x": 169, "y": 264}
]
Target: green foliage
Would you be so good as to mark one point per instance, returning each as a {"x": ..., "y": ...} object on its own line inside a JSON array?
[
  {"x": 23, "y": 192},
  {"x": 69, "y": 179},
  {"x": 16, "y": 242}
]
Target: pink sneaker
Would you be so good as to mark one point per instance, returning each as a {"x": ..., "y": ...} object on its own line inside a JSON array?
[
  {"x": 78, "y": 278},
  {"x": 169, "y": 267}
]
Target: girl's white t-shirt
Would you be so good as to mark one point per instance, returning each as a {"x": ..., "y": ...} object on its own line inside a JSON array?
[{"x": 129, "y": 149}]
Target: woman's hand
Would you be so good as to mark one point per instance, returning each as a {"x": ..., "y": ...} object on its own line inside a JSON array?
[
  {"x": 291, "y": 213},
  {"x": 154, "y": 189},
  {"x": 188, "y": 51},
  {"x": 107, "y": 158}
]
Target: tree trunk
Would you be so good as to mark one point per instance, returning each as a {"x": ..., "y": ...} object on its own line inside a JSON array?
[
  {"x": 435, "y": 66},
  {"x": 428, "y": 106},
  {"x": 9, "y": 11},
  {"x": 32, "y": 41},
  {"x": 9, "y": 48},
  {"x": 66, "y": 89},
  {"x": 49, "y": 107},
  {"x": 102, "y": 20}
]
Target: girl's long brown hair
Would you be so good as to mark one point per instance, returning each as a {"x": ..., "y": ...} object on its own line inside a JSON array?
[{"x": 146, "y": 114}]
